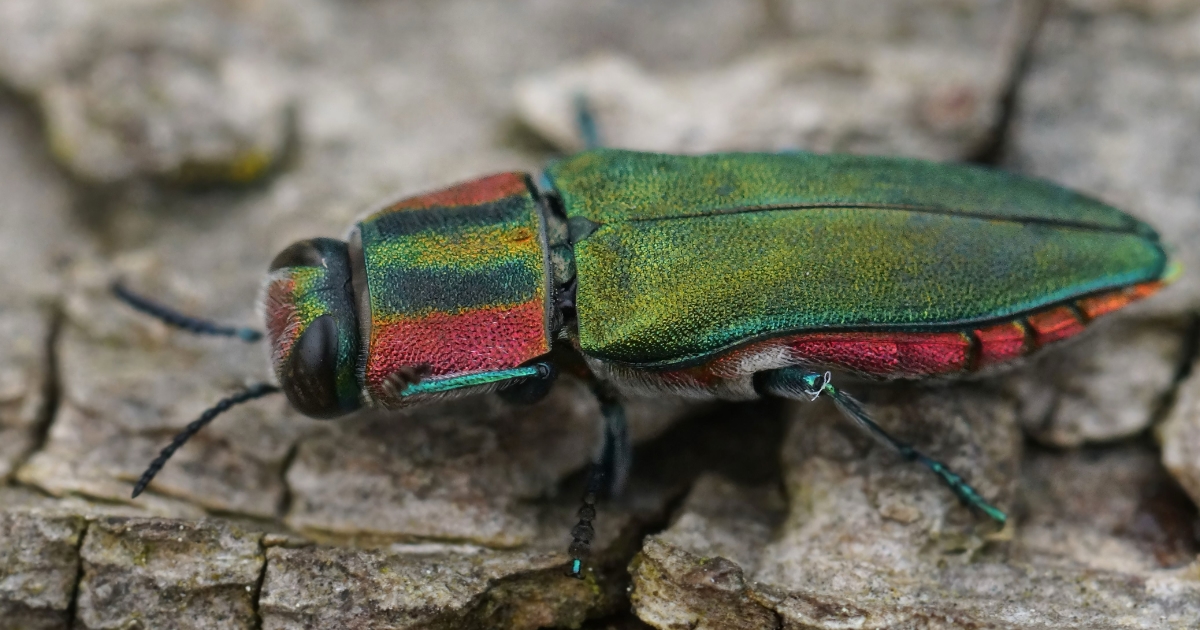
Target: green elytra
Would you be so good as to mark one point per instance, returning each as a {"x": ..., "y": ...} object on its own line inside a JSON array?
[{"x": 681, "y": 257}]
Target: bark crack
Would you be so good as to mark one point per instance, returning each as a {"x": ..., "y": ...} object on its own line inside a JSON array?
[
  {"x": 258, "y": 585},
  {"x": 73, "y": 605},
  {"x": 51, "y": 387},
  {"x": 1191, "y": 349},
  {"x": 1187, "y": 363},
  {"x": 1027, "y": 25},
  {"x": 285, "y": 497}
]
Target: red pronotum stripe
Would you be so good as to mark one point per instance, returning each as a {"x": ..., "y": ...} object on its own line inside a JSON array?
[
  {"x": 471, "y": 193},
  {"x": 472, "y": 341}
]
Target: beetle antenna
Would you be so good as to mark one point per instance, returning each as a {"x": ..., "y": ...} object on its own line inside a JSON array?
[
  {"x": 250, "y": 393},
  {"x": 174, "y": 318}
]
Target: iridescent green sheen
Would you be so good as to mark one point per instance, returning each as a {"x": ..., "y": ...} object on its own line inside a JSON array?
[
  {"x": 692, "y": 255},
  {"x": 607, "y": 185}
]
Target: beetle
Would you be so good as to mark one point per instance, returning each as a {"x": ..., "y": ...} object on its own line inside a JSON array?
[{"x": 730, "y": 275}]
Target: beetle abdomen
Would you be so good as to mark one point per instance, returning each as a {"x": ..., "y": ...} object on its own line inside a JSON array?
[
  {"x": 912, "y": 355},
  {"x": 881, "y": 355}
]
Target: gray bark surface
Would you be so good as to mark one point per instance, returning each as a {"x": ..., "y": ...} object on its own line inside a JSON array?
[{"x": 180, "y": 145}]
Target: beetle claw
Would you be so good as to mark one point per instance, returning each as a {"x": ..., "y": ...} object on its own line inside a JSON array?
[
  {"x": 406, "y": 376},
  {"x": 815, "y": 384}
]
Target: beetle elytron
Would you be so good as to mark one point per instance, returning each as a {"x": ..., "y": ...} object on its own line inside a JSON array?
[{"x": 730, "y": 275}]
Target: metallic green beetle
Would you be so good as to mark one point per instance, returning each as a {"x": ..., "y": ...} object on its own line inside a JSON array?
[{"x": 730, "y": 276}]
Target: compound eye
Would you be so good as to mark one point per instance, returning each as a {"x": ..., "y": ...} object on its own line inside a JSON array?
[
  {"x": 299, "y": 254},
  {"x": 310, "y": 377}
]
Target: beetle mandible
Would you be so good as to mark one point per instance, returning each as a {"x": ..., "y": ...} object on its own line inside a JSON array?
[{"x": 731, "y": 275}]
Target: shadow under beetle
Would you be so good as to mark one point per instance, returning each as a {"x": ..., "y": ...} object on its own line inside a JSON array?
[{"x": 732, "y": 275}]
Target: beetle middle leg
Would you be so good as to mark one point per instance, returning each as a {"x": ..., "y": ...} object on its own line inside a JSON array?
[
  {"x": 616, "y": 454},
  {"x": 804, "y": 384},
  {"x": 607, "y": 475}
]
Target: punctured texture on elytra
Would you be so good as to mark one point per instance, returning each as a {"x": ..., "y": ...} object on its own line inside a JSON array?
[{"x": 691, "y": 256}]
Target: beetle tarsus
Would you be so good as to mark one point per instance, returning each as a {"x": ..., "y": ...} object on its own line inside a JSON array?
[
  {"x": 406, "y": 376},
  {"x": 583, "y": 532},
  {"x": 797, "y": 383}
]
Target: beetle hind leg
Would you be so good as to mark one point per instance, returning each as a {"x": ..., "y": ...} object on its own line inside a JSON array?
[{"x": 803, "y": 384}]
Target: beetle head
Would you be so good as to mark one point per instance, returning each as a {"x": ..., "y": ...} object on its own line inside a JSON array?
[{"x": 308, "y": 305}]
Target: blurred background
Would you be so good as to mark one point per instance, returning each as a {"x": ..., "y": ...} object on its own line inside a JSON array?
[{"x": 181, "y": 144}]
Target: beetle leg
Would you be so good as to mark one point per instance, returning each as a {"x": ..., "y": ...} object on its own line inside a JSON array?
[
  {"x": 583, "y": 532},
  {"x": 803, "y": 384},
  {"x": 607, "y": 474},
  {"x": 527, "y": 391},
  {"x": 586, "y": 121},
  {"x": 616, "y": 454}
]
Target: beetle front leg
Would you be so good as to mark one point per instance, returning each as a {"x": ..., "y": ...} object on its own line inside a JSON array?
[
  {"x": 608, "y": 473},
  {"x": 798, "y": 383},
  {"x": 527, "y": 391}
]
